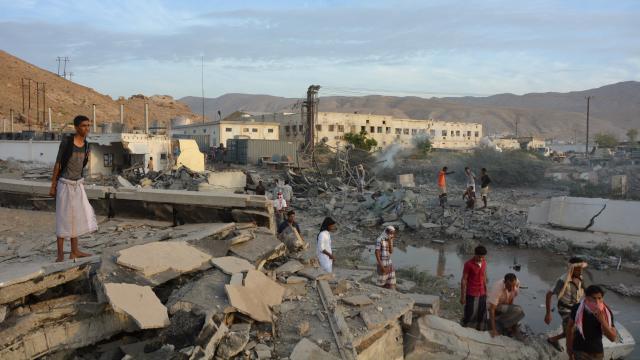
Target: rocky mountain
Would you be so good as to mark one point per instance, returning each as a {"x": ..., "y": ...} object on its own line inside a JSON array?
[
  {"x": 68, "y": 99},
  {"x": 614, "y": 108}
]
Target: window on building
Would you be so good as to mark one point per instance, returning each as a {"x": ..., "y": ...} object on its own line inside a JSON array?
[
  {"x": 300, "y": 128},
  {"x": 245, "y": 130},
  {"x": 363, "y": 128},
  {"x": 477, "y": 133},
  {"x": 286, "y": 129},
  {"x": 372, "y": 130},
  {"x": 422, "y": 131},
  {"x": 204, "y": 131},
  {"x": 270, "y": 131},
  {"x": 452, "y": 133},
  {"x": 388, "y": 130},
  {"x": 379, "y": 129},
  {"x": 444, "y": 133},
  {"x": 432, "y": 132},
  {"x": 318, "y": 127},
  {"x": 398, "y": 131},
  {"x": 163, "y": 156},
  {"x": 457, "y": 132},
  {"x": 228, "y": 129},
  {"x": 332, "y": 128},
  {"x": 185, "y": 132},
  {"x": 468, "y": 133},
  {"x": 340, "y": 128},
  {"x": 367, "y": 121},
  {"x": 405, "y": 131},
  {"x": 414, "y": 131},
  {"x": 384, "y": 122},
  {"x": 108, "y": 160},
  {"x": 254, "y": 130}
]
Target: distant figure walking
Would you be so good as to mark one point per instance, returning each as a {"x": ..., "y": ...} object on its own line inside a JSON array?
[
  {"x": 384, "y": 249},
  {"x": 442, "y": 185},
  {"x": 150, "y": 164},
  {"x": 485, "y": 180},
  {"x": 74, "y": 214},
  {"x": 323, "y": 245},
  {"x": 360, "y": 178},
  {"x": 471, "y": 178}
]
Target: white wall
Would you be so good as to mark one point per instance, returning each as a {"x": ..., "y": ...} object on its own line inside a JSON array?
[{"x": 27, "y": 150}]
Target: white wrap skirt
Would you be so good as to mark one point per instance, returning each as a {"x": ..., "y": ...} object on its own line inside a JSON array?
[{"x": 74, "y": 214}]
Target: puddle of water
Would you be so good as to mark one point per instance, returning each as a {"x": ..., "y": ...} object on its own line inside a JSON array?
[{"x": 539, "y": 270}]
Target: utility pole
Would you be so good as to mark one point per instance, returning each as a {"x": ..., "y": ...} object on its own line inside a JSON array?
[
  {"x": 311, "y": 105},
  {"x": 517, "y": 118},
  {"x": 66, "y": 60},
  {"x": 587, "y": 145},
  {"x": 11, "y": 116},
  {"x": 203, "y": 89},
  {"x": 58, "y": 59}
]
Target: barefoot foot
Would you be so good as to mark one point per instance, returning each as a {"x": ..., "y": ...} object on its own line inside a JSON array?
[{"x": 78, "y": 254}]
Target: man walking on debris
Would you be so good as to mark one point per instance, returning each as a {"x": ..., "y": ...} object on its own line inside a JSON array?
[
  {"x": 360, "y": 178},
  {"x": 280, "y": 206},
  {"x": 384, "y": 249},
  {"x": 442, "y": 184},
  {"x": 473, "y": 290},
  {"x": 323, "y": 245},
  {"x": 287, "y": 191},
  {"x": 484, "y": 186},
  {"x": 150, "y": 165},
  {"x": 590, "y": 320},
  {"x": 469, "y": 197},
  {"x": 569, "y": 288},
  {"x": 471, "y": 178},
  {"x": 74, "y": 214},
  {"x": 504, "y": 316},
  {"x": 260, "y": 189}
]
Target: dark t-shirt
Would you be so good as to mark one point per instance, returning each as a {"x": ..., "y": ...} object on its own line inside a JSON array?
[
  {"x": 592, "y": 341},
  {"x": 284, "y": 225},
  {"x": 260, "y": 190},
  {"x": 485, "y": 181}
]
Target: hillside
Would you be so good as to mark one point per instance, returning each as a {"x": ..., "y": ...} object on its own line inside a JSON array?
[
  {"x": 67, "y": 99},
  {"x": 614, "y": 108}
]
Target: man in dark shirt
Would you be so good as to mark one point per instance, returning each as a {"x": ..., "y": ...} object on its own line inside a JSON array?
[
  {"x": 484, "y": 185},
  {"x": 260, "y": 190},
  {"x": 291, "y": 221},
  {"x": 590, "y": 320}
]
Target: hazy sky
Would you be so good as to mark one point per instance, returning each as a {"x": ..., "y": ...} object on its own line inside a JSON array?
[{"x": 423, "y": 48}]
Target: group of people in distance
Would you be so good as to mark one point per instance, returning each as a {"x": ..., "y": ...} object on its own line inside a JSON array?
[
  {"x": 585, "y": 316},
  {"x": 469, "y": 194}
]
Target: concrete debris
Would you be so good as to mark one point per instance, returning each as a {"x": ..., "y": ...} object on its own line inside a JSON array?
[
  {"x": 264, "y": 247},
  {"x": 236, "y": 279},
  {"x": 255, "y": 298},
  {"x": 357, "y": 300},
  {"x": 204, "y": 295},
  {"x": 234, "y": 341},
  {"x": 314, "y": 273},
  {"x": 307, "y": 350},
  {"x": 425, "y": 304},
  {"x": 232, "y": 265},
  {"x": 288, "y": 268},
  {"x": 139, "y": 302},
  {"x": 290, "y": 237},
  {"x": 159, "y": 257}
]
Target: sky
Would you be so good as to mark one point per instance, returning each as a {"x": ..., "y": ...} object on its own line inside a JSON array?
[{"x": 412, "y": 48}]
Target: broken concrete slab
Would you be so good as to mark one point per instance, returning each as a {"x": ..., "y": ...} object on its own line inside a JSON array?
[
  {"x": 139, "y": 302},
  {"x": 434, "y": 337},
  {"x": 232, "y": 265},
  {"x": 236, "y": 279},
  {"x": 296, "y": 280},
  {"x": 205, "y": 295},
  {"x": 406, "y": 180},
  {"x": 357, "y": 300},
  {"x": 307, "y": 350},
  {"x": 288, "y": 268},
  {"x": 244, "y": 236},
  {"x": 425, "y": 304},
  {"x": 234, "y": 341},
  {"x": 255, "y": 298},
  {"x": 314, "y": 273},
  {"x": 263, "y": 247},
  {"x": 386, "y": 311},
  {"x": 389, "y": 341},
  {"x": 169, "y": 256}
]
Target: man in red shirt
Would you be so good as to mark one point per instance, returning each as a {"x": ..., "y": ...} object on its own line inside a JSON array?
[{"x": 473, "y": 288}]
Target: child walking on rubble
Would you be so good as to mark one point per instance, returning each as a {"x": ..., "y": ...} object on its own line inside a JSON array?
[{"x": 74, "y": 214}]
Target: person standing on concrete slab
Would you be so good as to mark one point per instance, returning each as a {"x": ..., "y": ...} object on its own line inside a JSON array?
[
  {"x": 287, "y": 191},
  {"x": 473, "y": 290},
  {"x": 469, "y": 197},
  {"x": 471, "y": 178},
  {"x": 569, "y": 288},
  {"x": 384, "y": 249},
  {"x": 323, "y": 245},
  {"x": 260, "y": 189},
  {"x": 360, "y": 178},
  {"x": 485, "y": 180},
  {"x": 280, "y": 206},
  {"x": 590, "y": 320},
  {"x": 442, "y": 185},
  {"x": 504, "y": 315},
  {"x": 74, "y": 214},
  {"x": 150, "y": 164}
]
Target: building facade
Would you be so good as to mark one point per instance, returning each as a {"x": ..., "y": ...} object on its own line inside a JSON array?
[
  {"x": 386, "y": 130},
  {"x": 218, "y": 132}
]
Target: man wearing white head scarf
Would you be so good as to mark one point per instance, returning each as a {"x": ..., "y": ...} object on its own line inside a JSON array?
[
  {"x": 384, "y": 249},
  {"x": 569, "y": 288}
]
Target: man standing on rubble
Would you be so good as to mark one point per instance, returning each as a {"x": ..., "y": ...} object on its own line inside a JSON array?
[
  {"x": 280, "y": 206},
  {"x": 287, "y": 191},
  {"x": 74, "y": 214},
  {"x": 442, "y": 184},
  {"x": 591, "y": 319},
  {"x": 504, "y": 316},
  {"x": 260, "y": 189},
  {"x": 473, "y": 290},
  {"x": 384, "y": 249},
  {"x": 291, "y": 221},
  {"x": 150, "y": 165},
  {"x": 323, "y": 245},
  {"x": 484, "y": 186},
  {"x": 471, "y": 178},
  {"x": 360, "y": 178},
  {"x": 569, "y": 288}
]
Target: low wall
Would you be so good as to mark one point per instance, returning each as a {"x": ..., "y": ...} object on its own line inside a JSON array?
[
  {"x": 29, "y": 150},
  {"x": 609, "y": 216}
]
